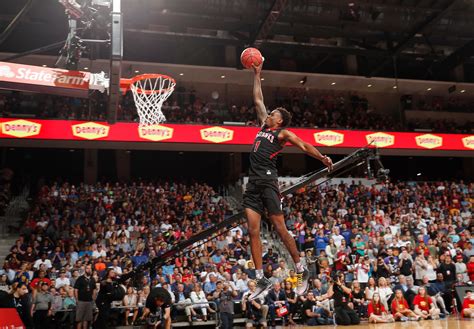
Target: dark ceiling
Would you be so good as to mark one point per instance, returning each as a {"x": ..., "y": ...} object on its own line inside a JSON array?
[{"x": 416, "y": 39}]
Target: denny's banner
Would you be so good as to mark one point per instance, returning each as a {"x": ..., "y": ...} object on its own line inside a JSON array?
[{"x": 230, "y": 135}]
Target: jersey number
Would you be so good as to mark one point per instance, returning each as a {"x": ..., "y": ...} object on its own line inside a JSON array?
[{"x": 257, "y": 144}]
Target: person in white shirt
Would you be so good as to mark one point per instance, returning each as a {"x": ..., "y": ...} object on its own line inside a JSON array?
[
  {"x": 63, "y": 280},
  {"x": 384, "y": 291},
  {"x": 420, "y": 267},
  {"x": 198, "y": 297},
  {"x": 242, "y": 283},
  {"x": 43, "y": 260},
  {"x": 362, "y": 271},
  {"x": 130, "y": 300},
  {"x": 99, "y": 252},
  {"x": 337, "y": 237},
  {"x": 116, "y": 267}
]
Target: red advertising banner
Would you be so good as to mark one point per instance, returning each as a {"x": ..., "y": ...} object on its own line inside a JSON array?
[
  {"x": 44, "y": 76},
  {"x": 231, "y": 135},
  {"x": 9, "y": 319}
]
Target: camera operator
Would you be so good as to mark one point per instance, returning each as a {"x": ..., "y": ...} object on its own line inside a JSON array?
[
  {"x": 226, "y": 306},
  {"x": 109, "y": 291},
  {"x": 158, "y": 301},
  {"x": 345, "y": 315}
]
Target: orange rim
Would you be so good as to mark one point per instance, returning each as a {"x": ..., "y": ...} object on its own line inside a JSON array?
[{"x": 126, "y": 83}]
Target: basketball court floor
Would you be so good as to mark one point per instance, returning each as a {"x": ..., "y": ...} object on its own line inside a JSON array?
[{"x": 450, "y": 323}]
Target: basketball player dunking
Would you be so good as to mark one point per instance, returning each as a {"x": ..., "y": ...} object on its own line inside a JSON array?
[{"x": 262, "y": 191}]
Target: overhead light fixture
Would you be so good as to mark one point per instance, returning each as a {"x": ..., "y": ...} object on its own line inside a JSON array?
[
  {"x": 369, "y": 85},
  {"x": 333, "y": 83},
  {"x": 394, "y": 87},
  {"x": 303, "y": 80},
  {"x": 222, "y": 76},
  {"x": 44, "y": 65},
  {"x": 428, "y": 89},
  {"x": 181, "y": 74},
  {"x": 463, "y": 91},
  {"x": 419, "y": 174},
  {"x": 137, "y": 71},
  {"x": 262, "y": 79},
  {"x": 86, "y": 68}
]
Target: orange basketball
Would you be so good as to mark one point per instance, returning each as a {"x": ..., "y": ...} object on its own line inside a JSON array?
[{"x": 251, "y": 56}]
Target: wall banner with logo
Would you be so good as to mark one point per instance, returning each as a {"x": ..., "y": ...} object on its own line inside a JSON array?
[{"x": 231, "y": 135}]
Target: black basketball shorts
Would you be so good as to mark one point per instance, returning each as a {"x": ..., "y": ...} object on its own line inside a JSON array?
[{"x": 263, "y": 194}]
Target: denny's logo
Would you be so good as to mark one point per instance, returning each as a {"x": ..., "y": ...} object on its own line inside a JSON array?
[
  {"x": 90, "y": 130},
  {"x": 380, "y": 139},
  {"x": 429, "y": 141},
  {"x": 21, "y": 128},
  {"x": 217, "y": 134},
  {"x": 155, "y": 132},
  {"x": 329, "y": 138},
  {"x": 468, "y": 142}
]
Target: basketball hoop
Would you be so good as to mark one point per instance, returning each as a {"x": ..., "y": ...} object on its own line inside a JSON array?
[{"x": 149, "y": 93}]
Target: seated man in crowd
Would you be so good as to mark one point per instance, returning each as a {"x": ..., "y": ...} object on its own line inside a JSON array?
[
  {"x": 436, "y": 294},
  {"x": 314, "y": 313},
  {"x": 255, "y": 310},
  {"x": 276, "y": 299}
]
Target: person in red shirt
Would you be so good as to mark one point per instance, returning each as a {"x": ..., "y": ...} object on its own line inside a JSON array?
[
  {"x": 424, "y": 305},
  {"x": 470, "y": 268},
  {"x": 400, "y": 309},
  {"x": 35, "y": 285},
  {"x": 377, "y": 312},
  {"x": 468, "y": 305}
]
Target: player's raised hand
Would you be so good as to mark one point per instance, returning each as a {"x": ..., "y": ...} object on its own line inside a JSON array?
[
  {"x": 258, "y": 68},
  {"x": 327, "y": 162}
]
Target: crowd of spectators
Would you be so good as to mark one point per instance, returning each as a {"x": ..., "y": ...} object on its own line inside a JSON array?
[
  {"x": 401, "y": 248},
  {"x": 328, "y": 110},
  {"x": 444, "y": 104}
]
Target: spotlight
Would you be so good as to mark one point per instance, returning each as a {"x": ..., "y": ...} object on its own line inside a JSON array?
[{"x": 303, "y": 80}]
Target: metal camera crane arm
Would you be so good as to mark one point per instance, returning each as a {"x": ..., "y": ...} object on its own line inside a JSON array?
[{"x": 355, "y": 159}]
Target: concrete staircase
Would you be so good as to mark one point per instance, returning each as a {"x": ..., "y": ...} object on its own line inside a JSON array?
[{"x": 6, "y": 242}]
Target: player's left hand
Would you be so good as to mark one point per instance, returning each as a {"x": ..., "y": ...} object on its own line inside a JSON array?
[{"x": 327, "y": 162}]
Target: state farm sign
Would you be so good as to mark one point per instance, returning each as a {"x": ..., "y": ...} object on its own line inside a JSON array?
[
  {"x": 44, "y": 76},
  {"x": 217, "y": 134},
  {"x": 21, "y": 128}
]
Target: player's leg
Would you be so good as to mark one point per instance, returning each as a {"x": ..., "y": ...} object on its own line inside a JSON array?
[
  {"x": 253, "y": 220},
  {"x": 272, "y": 202}
]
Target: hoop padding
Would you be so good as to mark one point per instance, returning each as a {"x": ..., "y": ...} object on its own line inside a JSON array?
[{"x": 149, "y": 93}]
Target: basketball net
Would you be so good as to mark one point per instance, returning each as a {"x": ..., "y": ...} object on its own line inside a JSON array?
[{"x": 150, "y": 91}]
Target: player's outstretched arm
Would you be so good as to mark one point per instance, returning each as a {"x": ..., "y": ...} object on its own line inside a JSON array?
[
  {"x": 307, "y": 148},
  {"x": 258, "y": 95}
]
